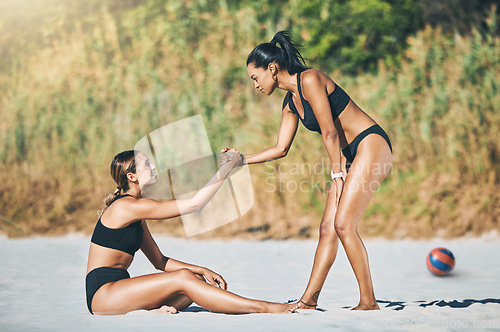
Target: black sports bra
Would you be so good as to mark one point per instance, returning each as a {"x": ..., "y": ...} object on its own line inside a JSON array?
[
  {"x": 127, "y": 239},
  {"x": 338, "y": 101}
]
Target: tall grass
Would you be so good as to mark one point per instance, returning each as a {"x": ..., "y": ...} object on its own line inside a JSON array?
[
  {"x": 442, "y": 110},
  {"x": 67, "y": 110}
]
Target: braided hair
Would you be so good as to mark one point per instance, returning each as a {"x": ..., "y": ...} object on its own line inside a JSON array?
[{"x": 122, "y": 164}]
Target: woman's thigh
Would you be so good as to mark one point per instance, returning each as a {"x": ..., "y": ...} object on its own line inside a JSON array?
[
  {"x": 372, "y": 164},
  {"x": 144, "y": 292}
]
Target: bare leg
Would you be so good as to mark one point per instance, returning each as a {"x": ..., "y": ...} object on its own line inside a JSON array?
[
  {"x": 155, "y": 290},
  {"x": 179, "y": 302},
  {"x": 324, "y": 257},
  {"x": 371, "y": 165}
]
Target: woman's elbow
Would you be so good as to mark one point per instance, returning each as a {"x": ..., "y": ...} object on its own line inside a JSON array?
[
  {"x": 282, "y": 151},
  {"x": 330, "y": 135},
  {"x": 188, "y": 206},
  {"x": 195, "y": 207},
  {"x": 162, "y": 264}
]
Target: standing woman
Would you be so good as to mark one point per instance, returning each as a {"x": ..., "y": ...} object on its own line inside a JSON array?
[
  {"x": 322, "y": 106},
  {"x": 122, "y": 230}
]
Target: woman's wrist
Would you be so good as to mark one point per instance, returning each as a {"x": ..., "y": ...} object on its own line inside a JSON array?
[
  {"x": 197, "y": 269},
  {"x": 337, "y": 175}
]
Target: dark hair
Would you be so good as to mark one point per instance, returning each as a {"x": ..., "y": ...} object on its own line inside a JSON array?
[
  {"x": 122, "y": 164},
  {"x": 286, "y": 56}
]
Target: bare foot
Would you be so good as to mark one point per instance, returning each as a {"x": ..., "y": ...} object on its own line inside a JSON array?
[
  {"x": 165, "y": 310},
  {"x": 291, "y": 307},
  {"x": 367, "y": 307},
  {"x": 304, "y": 305},
  {"x": 282, "y": 308}
]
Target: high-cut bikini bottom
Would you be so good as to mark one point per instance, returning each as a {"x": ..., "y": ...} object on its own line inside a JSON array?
[
  {"x": 98, "y": 277},
  {"x": 352, "y": 148}
]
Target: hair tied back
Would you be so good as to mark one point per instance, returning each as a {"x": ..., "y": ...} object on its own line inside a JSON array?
[{"x": 285, "y": 55}]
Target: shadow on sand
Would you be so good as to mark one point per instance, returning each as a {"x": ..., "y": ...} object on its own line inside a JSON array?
[
  {"x": 399, "y": 305},
  {"x": 195, "y": 308}
]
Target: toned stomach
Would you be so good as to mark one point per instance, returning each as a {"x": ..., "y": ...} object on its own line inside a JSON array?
[
  {"x": 102, "y": 256},
  {"x": 351, "y": 122}
]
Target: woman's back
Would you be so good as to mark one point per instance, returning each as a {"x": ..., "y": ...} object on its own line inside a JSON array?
[
  {"x": 351, "y": 120},
  {"x": 115, "y": 239}
]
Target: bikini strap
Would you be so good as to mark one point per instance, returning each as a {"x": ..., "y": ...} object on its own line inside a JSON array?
[
  {"x": 302, "y": 99},
  {"x": 298, "y": 85}
]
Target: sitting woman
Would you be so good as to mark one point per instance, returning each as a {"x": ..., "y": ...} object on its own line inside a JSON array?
[{"x": 122, "y": 230}]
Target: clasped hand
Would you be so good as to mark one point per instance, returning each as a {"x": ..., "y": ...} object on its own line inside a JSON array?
[{"x": 227, "y": 155}]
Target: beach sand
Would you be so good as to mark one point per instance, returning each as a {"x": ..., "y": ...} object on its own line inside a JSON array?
[{"x": 42, "y": 286}]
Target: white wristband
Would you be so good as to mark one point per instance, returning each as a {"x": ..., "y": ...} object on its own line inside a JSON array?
[{"x": 337, "y": 175}]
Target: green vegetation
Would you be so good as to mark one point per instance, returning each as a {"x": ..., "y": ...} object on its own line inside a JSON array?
[{"x": 82, "y": 88}]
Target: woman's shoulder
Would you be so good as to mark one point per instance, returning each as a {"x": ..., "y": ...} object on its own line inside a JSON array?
[
  {"x": 121, "y": 202},
  {"x": 313, "y": 79},
  {"x": 311, "y": 72},
  {"x": 314, "y": 76},
  {"x": 117, "y": 215}
]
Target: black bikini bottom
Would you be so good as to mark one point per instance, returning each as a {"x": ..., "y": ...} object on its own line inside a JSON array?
[
  {"x": 101, "y": 276},
  {"x": 352, "y": 148}
]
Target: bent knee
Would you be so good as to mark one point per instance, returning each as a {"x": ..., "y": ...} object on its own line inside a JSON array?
[
  {"x": 343, "y": 229},
  {"x": 183, "y": 274},
  {"x": 181, "y": 278},
  {"x": 327, "y": 230}
]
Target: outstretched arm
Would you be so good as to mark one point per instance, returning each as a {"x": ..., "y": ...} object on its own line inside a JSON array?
[
  {"x": 286, "y": 134},
  {"x": 146, "y": 208}
]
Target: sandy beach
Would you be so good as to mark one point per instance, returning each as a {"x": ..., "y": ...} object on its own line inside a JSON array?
[{"x": 42, "y": 286}]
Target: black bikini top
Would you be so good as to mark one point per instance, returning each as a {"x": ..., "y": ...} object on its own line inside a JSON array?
[
  {"x": 127, "y": 239},
  {"x": 338, "y": 101}
]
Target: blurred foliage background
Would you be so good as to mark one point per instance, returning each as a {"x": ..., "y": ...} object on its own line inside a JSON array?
[{"x": 83, "y": 80}]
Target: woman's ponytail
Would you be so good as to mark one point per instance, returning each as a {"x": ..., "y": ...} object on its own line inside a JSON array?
[
  {"x": 122, "y": 164},
  {"x": 286, "y": 55},
  {"x": 112, "y": 197}
]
